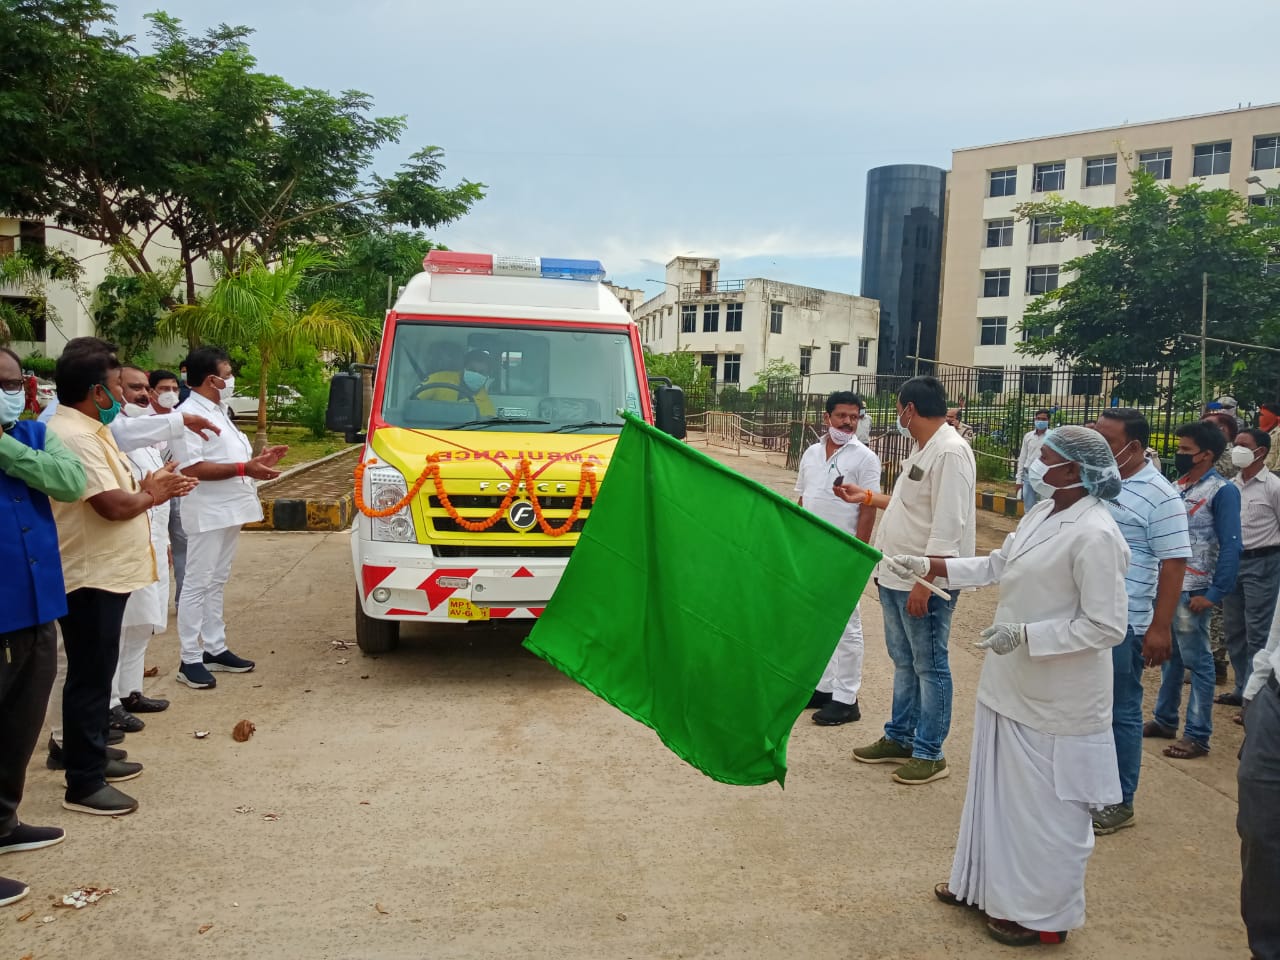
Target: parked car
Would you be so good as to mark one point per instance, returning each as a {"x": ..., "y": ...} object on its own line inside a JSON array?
[
  {"x": 45, "y": 391},
  {"x": 243, "y": 407}
]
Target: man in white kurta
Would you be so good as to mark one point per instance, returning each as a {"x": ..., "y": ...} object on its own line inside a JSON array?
[
  {"x": 840, "y": 456},
  {"x": 1043, "y": 753}
]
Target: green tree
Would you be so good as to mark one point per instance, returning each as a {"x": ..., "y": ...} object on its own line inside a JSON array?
[
  {"x": 366, "y": 265},
  {"x": 775, "y": 368},
  {"x": 1135, "y": 300},
  {"x": 685, "y": 370},
  {"x": 262, "y": 305}
]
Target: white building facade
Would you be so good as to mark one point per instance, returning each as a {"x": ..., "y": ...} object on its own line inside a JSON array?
[{"x": 737, "y": 326}]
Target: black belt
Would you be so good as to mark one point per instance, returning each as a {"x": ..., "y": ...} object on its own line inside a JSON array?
[{"x": 1260, "y": 552}]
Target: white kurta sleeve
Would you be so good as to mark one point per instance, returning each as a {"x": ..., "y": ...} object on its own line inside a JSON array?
[
  {"x": 979, "y": 571},
  {"x": 1098, "y": 567},
  {"x": 131, "y": 433}
]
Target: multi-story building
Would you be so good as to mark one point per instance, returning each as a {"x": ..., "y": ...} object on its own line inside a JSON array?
[
  {"x": 737, "y": 326},
  {"x": 629, "y": 298},
  {"x": 996, "y": 264}
]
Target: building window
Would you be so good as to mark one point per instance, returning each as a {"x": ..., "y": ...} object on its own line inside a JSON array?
[
  {"x": 1046, "y": 229},
  {"x": 1041, "y": 280},
  {"x": 1211, "y": 158},
  {"x": 1093, "y": 233},
  {"x": 1087, "y": 383},
  {"x": 709, "y": 361},
  {"x": 775, "y": 318},
  {"x": 1037, "y": 380},
  {"x": 1100, "y": 171},
  {"x": 990, "y": 380},
  {"x": 864, "y": 351},
  {"x": 1049, "y": 176},
  {"x": 1004, "y": 183},
  {"x": 835, "y": 358},
  {"x": 806, "y": 360},
  {"x": 1000, "y": 233},
  {"x": 733, "y": 318},
  {"x": 710, "y": 317},
  {"x": 1266, "y": 153},
  {"x": 732, "y": 367},
  {"x": 33, "y": 310},
  {"x": 995, "y": 283},
  {"x": 1158, "y": 163},
  {"x": 688, "y": 317},
  {"x": 1036, "y": 333},
  {"x": 992, "y": 331},
  {"x": 6, "y": 245}
]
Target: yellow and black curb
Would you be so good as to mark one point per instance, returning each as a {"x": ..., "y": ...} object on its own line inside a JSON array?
[
  {"x": 1000, "y": 503},
  {"x": 286, "y": 505}
]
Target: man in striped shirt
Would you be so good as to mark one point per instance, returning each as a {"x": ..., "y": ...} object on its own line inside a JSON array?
[{"x": 1153, "y": 519}]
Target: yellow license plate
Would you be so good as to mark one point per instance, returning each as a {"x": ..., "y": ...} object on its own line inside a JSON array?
[{"x": 463, "y": 609}]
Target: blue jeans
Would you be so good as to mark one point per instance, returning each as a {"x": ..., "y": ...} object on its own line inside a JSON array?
[
  {"x": 921, "y": 716},
  {"x": 1190, "y": 652},
  {"x": 1029, "y": 497},
  {"x": 1126, "y": 711}
]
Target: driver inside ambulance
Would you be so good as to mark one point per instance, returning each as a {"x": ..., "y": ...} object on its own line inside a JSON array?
[{"x": 457, "y": 379}]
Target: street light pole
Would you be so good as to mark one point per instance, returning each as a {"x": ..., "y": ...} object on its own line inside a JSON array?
[
  {"x": 676, "y": 310},
  {"x": 1204, "y": 331}
]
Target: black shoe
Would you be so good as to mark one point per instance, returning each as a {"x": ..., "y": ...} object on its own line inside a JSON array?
[
  {"x": 106, "y": 801},
  {"x": 194, "y": 675},
  {"x": 836, "y": 713},
  {"x": 122, "y": 719},
  {"x": 228, "y": 662},
  {"x": 114, "y": 737},
  {"x": 137, "y": 703},
  {"x": 819, "y": 699},
  {"x": 57, "y": 761},
  {"x": 11, "y": 891},
  {"x": 26, "y": 837},
  {"x": 118, "y": 770}
]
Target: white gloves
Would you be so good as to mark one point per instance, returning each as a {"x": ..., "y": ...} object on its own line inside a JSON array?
[
  {"x": 907, "y": 567},
  {"x": 1003, "y": 637}
]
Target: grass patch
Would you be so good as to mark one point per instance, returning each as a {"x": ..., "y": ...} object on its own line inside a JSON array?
[{"x": 303, "y": 447}]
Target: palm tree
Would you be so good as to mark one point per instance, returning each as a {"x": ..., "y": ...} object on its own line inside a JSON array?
[{"x": 261, "y": 304}]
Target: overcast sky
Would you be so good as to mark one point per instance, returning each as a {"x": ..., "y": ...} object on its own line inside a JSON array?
[{"x": 636, "y": 131}]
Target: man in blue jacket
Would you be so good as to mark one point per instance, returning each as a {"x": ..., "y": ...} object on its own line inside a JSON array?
[{"x": 34, "y": 466}]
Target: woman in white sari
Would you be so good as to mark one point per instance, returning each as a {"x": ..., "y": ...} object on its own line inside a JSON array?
[{"x": 1043, "y": 754}]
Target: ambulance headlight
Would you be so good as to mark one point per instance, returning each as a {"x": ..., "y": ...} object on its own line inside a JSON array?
[{"x": 387, "y": 487}]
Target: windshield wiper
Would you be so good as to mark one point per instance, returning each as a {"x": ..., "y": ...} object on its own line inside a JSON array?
[
  {"x": 584, "y": 424},
  {"x": 489, "y": 421}
]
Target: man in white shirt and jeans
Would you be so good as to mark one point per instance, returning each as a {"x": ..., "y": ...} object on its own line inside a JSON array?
[
  {"x": 227, "y": 469},
  {"x": 839, "y": 457},
  {"x": 931, "y": 513}
]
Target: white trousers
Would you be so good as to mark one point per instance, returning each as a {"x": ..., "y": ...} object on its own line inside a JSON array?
[
  {"x": 201, "y": 627},
  {"x": 53, "y": 715},
  {"x": 843, "y": 676},
  {"x": 132, "y": 662},
  {"x": 1026, "y": 832}
]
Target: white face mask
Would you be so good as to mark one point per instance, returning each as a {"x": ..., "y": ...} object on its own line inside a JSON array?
[
  {"x": 1036, "y": 476},
  {"x": 227, "y": 391},
  {"x": 839, "y": 437},
  {"x": 167, "y": 399},
  {"x": 904, "y": 428},
  {"x": 1243, "y": 457},
  {"x": 136, "y": 410}
]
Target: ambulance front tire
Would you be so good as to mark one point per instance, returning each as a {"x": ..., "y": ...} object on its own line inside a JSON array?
[{"x": 375, "y": 636}]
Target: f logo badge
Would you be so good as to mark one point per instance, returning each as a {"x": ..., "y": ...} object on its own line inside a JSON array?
[{"x": 521, "y": 515}]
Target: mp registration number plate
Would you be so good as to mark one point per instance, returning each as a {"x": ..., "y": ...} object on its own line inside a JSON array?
[{"x": 463, "y": 609}]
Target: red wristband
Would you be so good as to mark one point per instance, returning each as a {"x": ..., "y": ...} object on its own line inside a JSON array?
[{"x": 239, "y": 469}]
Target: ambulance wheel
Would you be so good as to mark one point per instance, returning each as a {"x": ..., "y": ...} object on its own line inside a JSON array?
[{"x": 375, "y": 636}]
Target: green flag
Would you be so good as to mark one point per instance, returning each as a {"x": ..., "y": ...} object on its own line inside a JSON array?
[{"x": 702, "y": 604}]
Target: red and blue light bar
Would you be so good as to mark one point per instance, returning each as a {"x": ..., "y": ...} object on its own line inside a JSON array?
[{"x": 487, "y": 265}]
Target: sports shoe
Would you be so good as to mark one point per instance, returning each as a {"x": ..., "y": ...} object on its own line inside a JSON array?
[
  {"x": 137, "y": 703},
  {"x": 819, "y": 699},
  {"x": 883, "y": 750},
  {"x": 26, "y": 837},
  {"x": 195, "y": 675},
  {"x": 836, "y": 713},
  {"x": 118, "y": 770},
  {"x": 122, "y": 719},
  {"x": 57, "y": 760},
  {"x": 228, "y": 662},
  {"x": 106, "y": 801},
  {"x": 11, "y": 891},
  {"x": 1111, "y": 818},
  {"x": 917, "y": 771}
]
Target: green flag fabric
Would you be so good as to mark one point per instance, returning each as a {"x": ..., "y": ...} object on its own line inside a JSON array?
[{"x": 702, "y": 604}]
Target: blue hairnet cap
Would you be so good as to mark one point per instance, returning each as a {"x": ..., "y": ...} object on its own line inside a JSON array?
[{"x": 1098, "y": 470}]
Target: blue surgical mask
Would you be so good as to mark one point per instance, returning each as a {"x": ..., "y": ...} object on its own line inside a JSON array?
[
  {"x": 902, "y": 427},
  {"x": 11, "y": 406},
  {"x": 474, "y": 380},
  {"x": 109, "y": 414},
  {"x": 1042, "y": 425}
]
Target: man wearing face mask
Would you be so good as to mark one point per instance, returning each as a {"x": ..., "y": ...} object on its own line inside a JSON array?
[
  {"x": 226, "y": 499},
  {"x": 1153, "y": 520},
  {"x": 1269, "y": 420},
  {"x": 470, "y": 384},
  {"x": 1213, "y": 522},
  {"x": 104, "y": 540},
  {"x": 931, "y": 513},
  {"x": 1029, "y": 454},
  {"x": 166, "y": 394},
  {"x": 1248, "y": 609},
  {"x": 837, "y": 457}
]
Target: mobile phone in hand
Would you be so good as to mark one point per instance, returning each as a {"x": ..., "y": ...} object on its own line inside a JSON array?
[{"x": 839, "y": 481}]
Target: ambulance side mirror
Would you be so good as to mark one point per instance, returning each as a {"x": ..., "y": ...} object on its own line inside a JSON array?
[
  {"x": 345, "y": 413},
  {"x": 668, "y": 410}
]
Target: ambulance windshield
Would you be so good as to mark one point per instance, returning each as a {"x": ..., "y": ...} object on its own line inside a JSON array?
[{"x": 496, "y": 377}]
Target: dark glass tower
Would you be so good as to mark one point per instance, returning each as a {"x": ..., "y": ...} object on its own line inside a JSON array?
[{"x": 902, "y": 260}]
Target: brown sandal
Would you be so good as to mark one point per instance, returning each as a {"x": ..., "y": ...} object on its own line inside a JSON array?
[
  {"x": 1185, "y": 749},
  {"x": 943, "y": 892},
  {"x": 1013, "y": 934},
  {"x": 1153, "y": 728}
]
